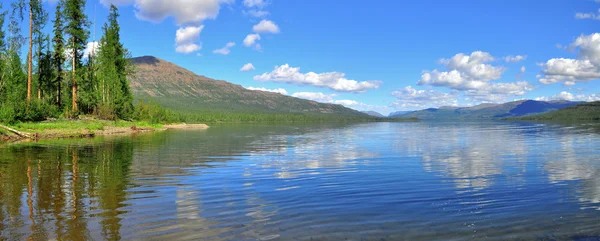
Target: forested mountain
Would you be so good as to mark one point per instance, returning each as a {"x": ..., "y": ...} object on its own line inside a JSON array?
[
  {"x": 489, "y": 111},
  {"x": 582, "y": 112},
  {"x": 162, "y": 82}
]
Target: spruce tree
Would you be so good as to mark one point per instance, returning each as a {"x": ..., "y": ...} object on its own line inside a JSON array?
[
  {"x": 114, "y": 68},
  {"x": 76, "y": 29},
  {"x": 58, "y": 54}
]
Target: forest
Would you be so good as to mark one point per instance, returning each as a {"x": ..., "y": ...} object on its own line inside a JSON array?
[{"x": 56, "y": 78}]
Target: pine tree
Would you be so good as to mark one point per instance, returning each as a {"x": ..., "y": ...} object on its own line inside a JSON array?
[
  {"x": 114, "y": 68},
  {"x": 40, "y": 18},
  {"x": 3, "y": 50},
  {"x": 76, "y": 28},
  {"x": 58, "y": 54}
]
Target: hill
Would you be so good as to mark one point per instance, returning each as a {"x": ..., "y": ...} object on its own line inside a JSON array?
[
  {"x": 373, "y": 113},
  {"x": 162, "y": 82},
  {"x": 581, "y": 112},
  {"x": 489, "y": 111}
]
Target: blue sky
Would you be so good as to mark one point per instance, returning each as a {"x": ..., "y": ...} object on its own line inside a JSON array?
[{"x": 376, "y": 55}]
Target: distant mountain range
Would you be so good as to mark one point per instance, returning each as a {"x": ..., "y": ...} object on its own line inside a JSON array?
[
  {"x": 581, "y": 112},
  {"x": 156, "y": 80},
  {"x": 373, "y": 113},
  {"x": 489, "y": 111}
]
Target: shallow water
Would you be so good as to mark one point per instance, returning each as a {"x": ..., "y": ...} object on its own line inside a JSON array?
[{"x": 373, "y": 181}]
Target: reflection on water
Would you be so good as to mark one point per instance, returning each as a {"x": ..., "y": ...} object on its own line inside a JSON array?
[{"x": 375, "y": 181}]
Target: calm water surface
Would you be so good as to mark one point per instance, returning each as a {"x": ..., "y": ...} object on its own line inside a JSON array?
[{"x": 375, "y": 181}]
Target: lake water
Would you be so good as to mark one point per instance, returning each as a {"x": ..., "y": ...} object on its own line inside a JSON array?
[{"x": 372, "y": 181}]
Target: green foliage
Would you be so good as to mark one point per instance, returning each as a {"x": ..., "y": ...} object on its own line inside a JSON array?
[
  {"x": 582, "y": 112},
  {"x": 52, "y": 78}
]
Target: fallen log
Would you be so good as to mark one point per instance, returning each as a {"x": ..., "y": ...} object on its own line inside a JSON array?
[{"x": 19, "y": 133}]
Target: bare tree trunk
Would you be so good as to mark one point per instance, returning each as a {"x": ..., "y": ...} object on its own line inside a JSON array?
[
  {"x": 30, "y": 56},
  {"x": 74, "y": 89}
]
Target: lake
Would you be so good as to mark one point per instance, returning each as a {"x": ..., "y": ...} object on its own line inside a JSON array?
[{"x": 370, "y": 181}]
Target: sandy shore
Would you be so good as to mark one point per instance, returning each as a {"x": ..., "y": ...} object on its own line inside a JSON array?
[{"x": 186, "y": 126}]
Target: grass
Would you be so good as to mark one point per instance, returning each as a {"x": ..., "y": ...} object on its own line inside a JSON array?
[{"x": 93, "y": 125}]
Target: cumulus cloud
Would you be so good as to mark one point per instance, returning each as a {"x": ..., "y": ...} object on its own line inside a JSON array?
[
  {"x": 186, "y": 37},
  {"x": 315, "y": 96},
  {"x": 585, "y": 67},
  {"x": 514, "y": 59},
  {"x": 225, "y": 50},
  {"x": 183, "y": 11},
  {"x": 328, "y": 99},
  {"x": 266, "y": 26},
  {"x": 247, "y": 67},
  {"x": 332, "y": 80},
  {"x": 91, "y": 47},
  {"x": 474, "y": 76},
  {"x": 564, "y": 95},
  {"x": 251, "y": 40},
  {"x": 278, "y": 90},
  {"x": 409, "y": 98}
]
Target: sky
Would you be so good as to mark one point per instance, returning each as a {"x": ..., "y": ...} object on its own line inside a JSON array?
[{"x": 376, "y": 55}]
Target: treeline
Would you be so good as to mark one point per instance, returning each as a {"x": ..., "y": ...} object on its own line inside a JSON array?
[
  {"x": 57, "y": 80},
  {"x": 582, "y": 112},
  {"x": 155, "y": 113}
]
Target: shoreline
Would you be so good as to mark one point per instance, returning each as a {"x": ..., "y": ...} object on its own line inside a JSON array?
[{"x": 83, "y": 129}]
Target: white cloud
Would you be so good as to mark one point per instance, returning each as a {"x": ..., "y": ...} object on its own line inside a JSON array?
[
  {"x": 266, "y": 26},
  {"x": 409, "y": 98},
  {"x": 473, "y": 75},
  {"x": 89, "y": 48},
  {"x": 327, "y": 98},
  {"x": 593, "y": 16},
  {"x": 183, "y": 11},
  {"x": 255, "y": 3},
  {"x": 278, "y": 90},
  {"x": 564, "y": 95},
  {"x": 333, "y": 80},
  {"x": 247, "y": 67},
  {"x": 185, "y": 39},
  {"x": 225, "y": 50},
  {"x": 514, "y": 59},
  {"x": 523, "y": 69},
  {"x": 569, "y": 71},
  {"x": 316, "y": 96},
  {"x": 251, "y": 40},
  {"x": 330, "y": 99},
  {"x": 256, "y": 13},
  {"x": 107, "y": 3}
]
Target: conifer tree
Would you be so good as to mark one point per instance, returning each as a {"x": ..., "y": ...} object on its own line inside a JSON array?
[
  {"x": 58, "y": 54},
  {"x": 76, "y": 29}
]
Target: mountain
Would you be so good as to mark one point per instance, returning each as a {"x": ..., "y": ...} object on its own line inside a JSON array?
[
  {"x": 373, "y": 113},
  {"x": 490, "y": 111},
  {"x": 156, "y": 80},
  {"x": 397, "y": 113},
  {"x": 581, "y": 112}
]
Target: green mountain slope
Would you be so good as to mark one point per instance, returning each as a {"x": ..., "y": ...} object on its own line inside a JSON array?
[
  {"x": 176, "y": 88},
  {"x": 582, "y": 112},
  {"x": 489, "y": 111}
]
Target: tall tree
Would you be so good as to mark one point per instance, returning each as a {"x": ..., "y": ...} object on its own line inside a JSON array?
[
  {"x": 3, "y": 51},
  {"x": 114, "y": 68},
  {"x": 76, "y": 28},
  {"x": 58, "y": 55},
  {"x": 40, "y": 18}
]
